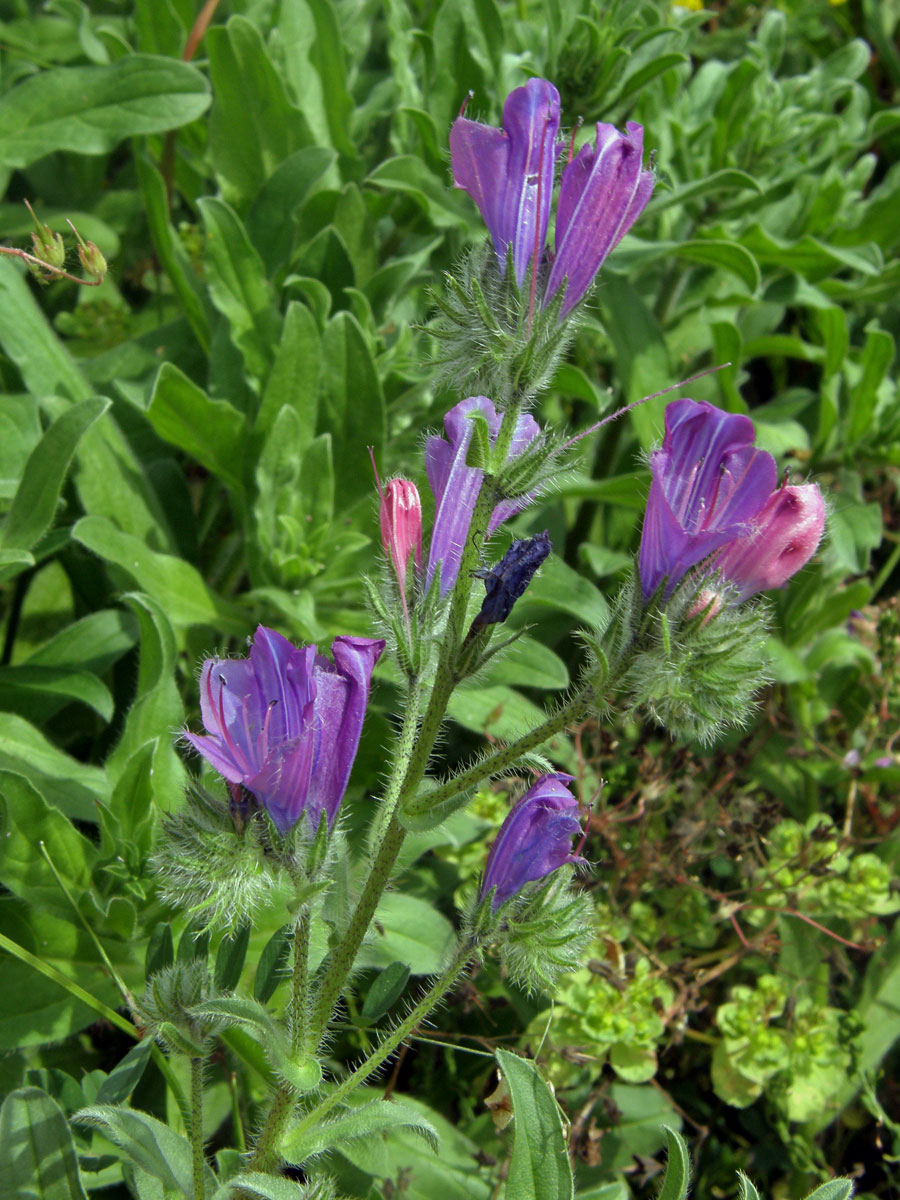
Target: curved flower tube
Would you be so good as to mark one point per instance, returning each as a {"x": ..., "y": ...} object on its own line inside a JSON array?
[
  {"x": 455, "y": 486},
  {"x": 534, "y": 839},
  {"x": 603, "y": 191},
  {"x": 508, "y": 172},
  {"x": 285, "y": 722}
]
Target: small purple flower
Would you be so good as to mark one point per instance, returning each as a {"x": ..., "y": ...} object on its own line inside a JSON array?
[
  {"x": 455, "y": 486},
  {"x": 507, "y": 581},
  {"x": 709, "y": 483},
  {"x": 509, "y": 172},
  {"x": 285, "y": 723},
  {"x": 534, "y": 840},
  {"x": 783, "y": 537},
  {"x": 603, "y": 191}
]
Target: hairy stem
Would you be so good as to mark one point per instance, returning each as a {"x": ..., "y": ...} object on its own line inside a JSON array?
[
  {"x": 418, "y": 750},
  {"x": 386, "y": 1048},
  {"x": 265, "y": 1152},
  {"x": 198, "y": 1162},
  {"x": 502, "y": 759},
  {"x": 299, "y": 997}
]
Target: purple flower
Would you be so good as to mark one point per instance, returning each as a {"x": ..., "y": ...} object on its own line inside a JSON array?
[
  {"x": 509, "y": 172},
  {"x": 709, "y": 483},
  {"x": 285, "y": 723},
  {"x": 455, "y": 486},
  {"x": 534, "y": 840},
  {"x": 783, "y": 537},
  {"x": 603, "y": 191}
]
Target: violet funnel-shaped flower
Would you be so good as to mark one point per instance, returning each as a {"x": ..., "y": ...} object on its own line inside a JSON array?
[
  {"x": 783, "y": 537},
  {"x": 603, "y": 191},
  {"x": 709, "y": 483},
  {"x": 535, "y": 838},
  {"x": 508, "y": 172},
  {"x": 455, "y": 486},
  {"x": 285, "y": 722}
]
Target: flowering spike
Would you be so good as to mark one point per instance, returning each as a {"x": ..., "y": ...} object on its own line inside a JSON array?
[
  {"x": 285, "y": 723},
  {"x": 709, "y": 483},
  {"x": 509, "y": 172},
  {"x": 535, "y": 838},
  {"x": 455, "y": 485},
  {"x": 603, "y": 191}
]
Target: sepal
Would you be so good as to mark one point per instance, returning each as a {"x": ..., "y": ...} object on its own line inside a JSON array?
[
  {"x": 697, "y": 672},
  {"x": 541, "y": 933},
  {"x": 212, "y": 870},
  {"x": 491, "y": 337},
  {"x": 166, "y": 1007}
]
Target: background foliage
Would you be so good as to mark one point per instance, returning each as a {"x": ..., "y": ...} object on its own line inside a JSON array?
[{"x": 183, "y": 455}]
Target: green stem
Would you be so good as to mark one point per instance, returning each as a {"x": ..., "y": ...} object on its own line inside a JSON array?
[
  {"x": 414, "y": 752},
  {"x": 500, "y": 760},
  {"x": 386, "y": 1048},
  {"x": 299, "y": 997},
  {"x": 265, "y": 1152},
  {"x": 197, "y": 1160}
]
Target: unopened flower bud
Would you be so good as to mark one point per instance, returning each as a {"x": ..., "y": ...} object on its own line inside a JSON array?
[
  {"x": 401, "y": 526},
  {"x": 48, "y": 246},
  {"x": 783, "y": 538},
  {"x": 92, "y": 260}
]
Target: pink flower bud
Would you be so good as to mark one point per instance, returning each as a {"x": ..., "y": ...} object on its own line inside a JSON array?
[
  {"x": 783, "y": 538},
  {"x": 401, "y": 525}
]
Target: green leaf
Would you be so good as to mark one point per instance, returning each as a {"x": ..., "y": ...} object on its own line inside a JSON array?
[
  {"x": 147, "y": 1143},
  {"x": 727, "y": 179},
  {"x": 370, "y": 1120},
  {"x": 253, "y": 127},
  {"x": 210, "y": 431},
  {"x": 266, "y": 1187},
  {"x": 384, "y": 991},
  {"x": 272, "y": 966},
  {"x": 238, "y": 287},
  {"x": 527, "y": 663},
  {"x": 155, "y": 713},
  {"x": 71, "y": 786},
  {"x": 410, "y": 931},
  {"x": 353, "y": 409},
  {"x": 410, "y": 176},
  {"x": 678, "y": 1168},
  {"x": 327, "y": 57},
  {"x": 126, "y": 1074},
  {"x": 171, "y": 253},
  {"x": 230, "y": 958},
  {"x": 38, "y": 692},
  {"x": 30, "y": 823},
  {"x": 834, "y": 1189},
  {"x": 160, "y": 951},
  {"x": 294, "y": 378},
  {"x": 539, "y": 1166},
  {"x": 642, "y": 358},
  {"x": 34, "y": 504},
  {"x": 175, "y": 586},
  {"x": 877, "y": 357},
  {"x": 37, "y": 1154},
  {"x": 302, "y": 1071},
  {"x": 89, "y": 110},
  {"x": 270, "y": 220},
  {"x": 747, "y": 1188}
]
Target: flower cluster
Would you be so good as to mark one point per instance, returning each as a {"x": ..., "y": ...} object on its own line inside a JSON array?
[{"x": 509, "y": 173}]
